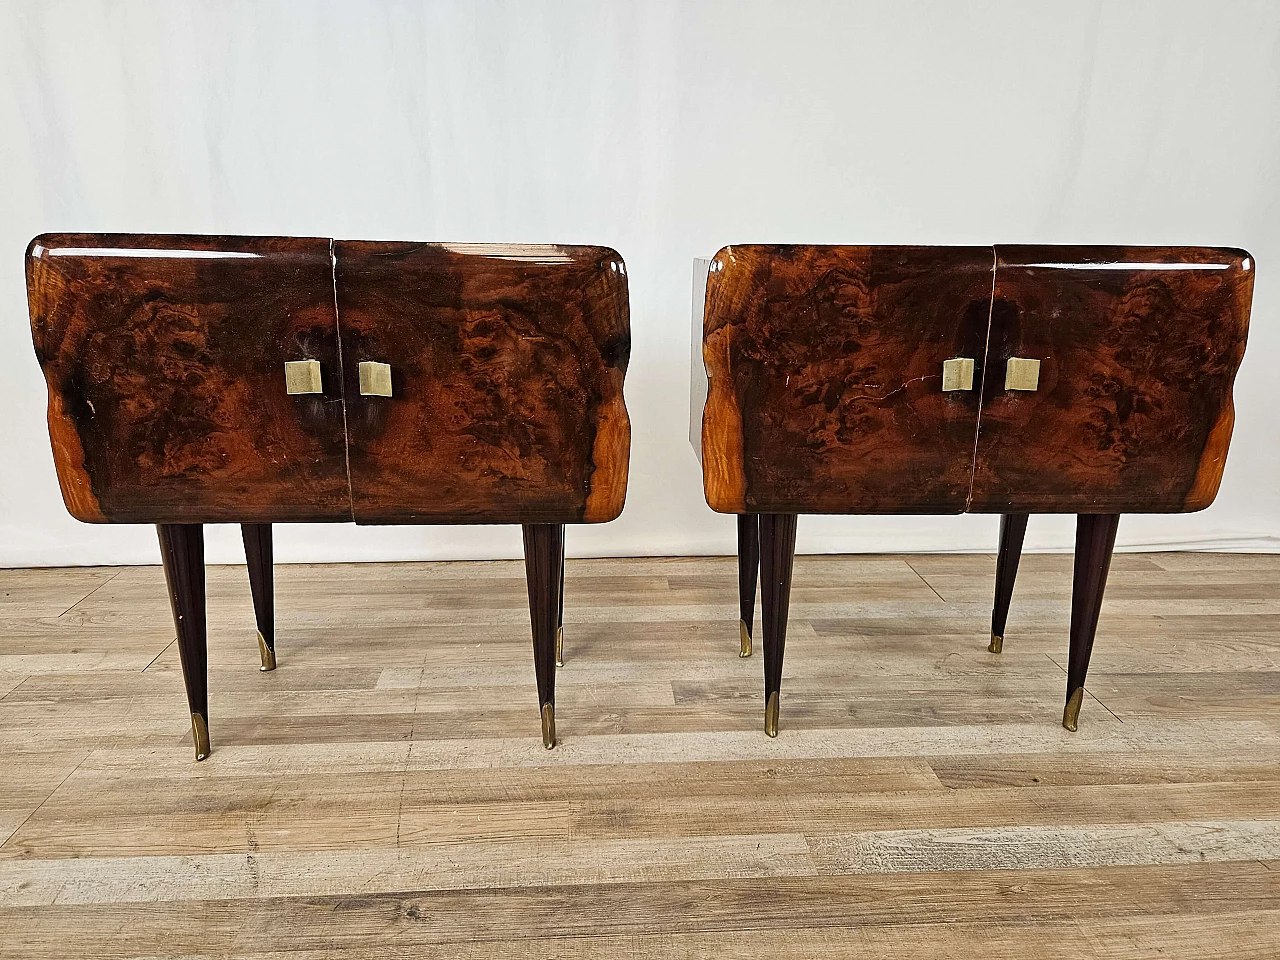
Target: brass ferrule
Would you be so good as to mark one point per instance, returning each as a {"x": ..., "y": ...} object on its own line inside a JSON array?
[
  {"x": 548, "y": 725},
  {"x": 200, "y": 735},
  {"x": 1071, "y": 715},
  {"x": 268, "y": 655}
]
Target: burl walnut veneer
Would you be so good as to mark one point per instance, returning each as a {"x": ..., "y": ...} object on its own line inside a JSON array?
[
  {"x": 259, "y": 380},
  {"x": 933, "y": 380}
]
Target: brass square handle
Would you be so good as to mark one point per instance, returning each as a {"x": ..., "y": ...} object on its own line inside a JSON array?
[
  {"x": 957, "y": 374},
  {"x": 1022, "y": 374},
  {"x": 375, "y": 379},
  {"x": 302, "y": 376}
]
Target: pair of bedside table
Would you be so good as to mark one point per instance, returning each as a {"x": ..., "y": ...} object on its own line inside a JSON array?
[{"x": 264, "y": 380}]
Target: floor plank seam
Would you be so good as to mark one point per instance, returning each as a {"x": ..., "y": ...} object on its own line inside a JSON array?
[
  {"x": 119, "y": 570},
  {"x": 924, "y": 581},
  {"x": 162, "y": 652}
]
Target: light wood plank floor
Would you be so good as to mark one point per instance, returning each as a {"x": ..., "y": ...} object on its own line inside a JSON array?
[{"x": 384, "y": 793}]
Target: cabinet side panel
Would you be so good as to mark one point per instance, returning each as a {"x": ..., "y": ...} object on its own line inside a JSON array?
[
  {"x": 826, "y": 371},
  {"x": 1138, "y": 350},
  {"x": 507, "y": 364},
  {"x": 164, "y": 358}
]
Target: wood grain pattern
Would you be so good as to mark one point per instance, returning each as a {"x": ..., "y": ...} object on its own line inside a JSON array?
[
  {"x": 824, "y": 371},
  {"x": 164, "y": 357},
  {"x": 825, "y": 368},
  {"x": 1138, "y": 350},
  {"x": 507, "y": 367},
  {"x": 393, "y": 800}
]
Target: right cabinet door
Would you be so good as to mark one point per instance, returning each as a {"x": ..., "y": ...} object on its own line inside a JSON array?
[
  {"x": 1108, "y": 378},
  {"x": 483, "y": 382}
]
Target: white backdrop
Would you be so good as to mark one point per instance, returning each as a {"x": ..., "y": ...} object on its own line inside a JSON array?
[{"x": 662, "y": 129}]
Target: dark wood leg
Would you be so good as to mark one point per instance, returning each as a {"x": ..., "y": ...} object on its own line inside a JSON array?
[
  {"x": 543, "y": 568},
  {"x": 259, "y": 558},
  {"x": 1013, "y": 528},
  {"x": 777, "y": 553},
  {"x": 1095, "y": 539},
  {"x": 560, "y": 611},
  {"x": 182, "y": 551},
  {"x": 748, "y": 568}
]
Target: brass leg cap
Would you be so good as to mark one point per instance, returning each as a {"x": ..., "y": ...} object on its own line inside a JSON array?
[
  {"x": 559, "y": 646},
  {"x": 744, "y": 636},
  {"x": 548, "y": 725},
  {"x": 200, "y": 735},
  {"x": 1071, "y": 715},
  {"x": 771, "y": 715},
  {"x": 268, "y": 655},
  {"x": 997, "y": 643}
]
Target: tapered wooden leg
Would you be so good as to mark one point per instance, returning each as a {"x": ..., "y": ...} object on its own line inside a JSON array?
[
  {"x": 1095, "y": 539},
  {"x": 777, "y": 553},
  {"x": 259, "y": 558},
  {"x": 182, "y": 551},
  {"x": 1013, "y": 528},
  {"x": 560, "y": 612},
  {"x": 543, "y": 568},
  {"x": 748, "y": 568}
]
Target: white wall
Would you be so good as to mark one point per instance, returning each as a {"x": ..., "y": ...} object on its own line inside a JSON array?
[{"x": 664, "y": 130}]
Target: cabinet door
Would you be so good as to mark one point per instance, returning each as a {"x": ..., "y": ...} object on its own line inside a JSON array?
[
  {"x": 164, "y": 358},
  {"x": 505, "y": 381},
  {"x": 825, "y": 368},
  {"x": 1137, "y": 349}
]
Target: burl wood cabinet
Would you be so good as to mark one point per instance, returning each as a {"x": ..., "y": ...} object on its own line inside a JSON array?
[
  {"x": 934, "y": 380},
  {"x": 260, "y": 380}
]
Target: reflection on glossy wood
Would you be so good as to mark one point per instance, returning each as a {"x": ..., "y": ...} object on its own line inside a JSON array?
[
  {"x": 164, "y": 358},
  {"x": 506, "y": 365},
  {"x": 825, "y": 367},
  {"x": 1138, "y": 350}
]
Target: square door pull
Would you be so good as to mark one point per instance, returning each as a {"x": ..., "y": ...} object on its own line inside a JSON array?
[
  {"x": 302, "y": 376},
  {"x": 957, "y": 374},
  {"x": 1021, "y": 374},
  {"x": 375, "y": 379}
]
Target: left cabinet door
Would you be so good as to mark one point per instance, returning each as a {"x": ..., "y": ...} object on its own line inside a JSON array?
[{"x": 165, "y": 361}]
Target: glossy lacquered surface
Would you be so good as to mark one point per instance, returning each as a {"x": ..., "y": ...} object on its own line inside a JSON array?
[
  {"x": 165, "y": 360},
  {"x": 1138, "y": 350},
  {"x": 824, "y": 369},
  {"x": 507, "y": 365}
]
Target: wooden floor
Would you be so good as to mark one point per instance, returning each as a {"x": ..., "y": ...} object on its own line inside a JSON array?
[{"x": 384, "y": 793}]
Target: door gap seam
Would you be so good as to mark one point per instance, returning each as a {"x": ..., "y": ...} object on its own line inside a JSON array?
[
  {"x": 342, "y": 380},
  {"x": 982, "y": 386}
]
